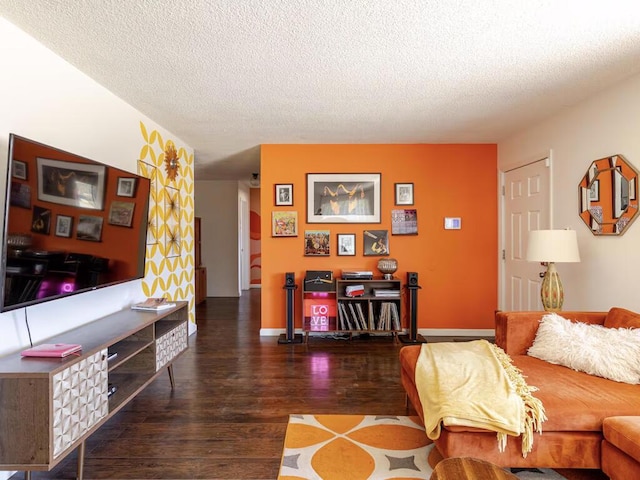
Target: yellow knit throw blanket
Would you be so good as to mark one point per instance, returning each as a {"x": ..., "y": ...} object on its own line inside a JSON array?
[{"x": 475, "y": 384}]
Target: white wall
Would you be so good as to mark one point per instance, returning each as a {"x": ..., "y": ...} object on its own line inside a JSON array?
[
  {"x": 604, "y": 125},
  {"x": 46, "y": 99},
  {"x": 216, "y": 203}
]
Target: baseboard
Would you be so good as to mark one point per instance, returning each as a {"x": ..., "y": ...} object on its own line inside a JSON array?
[
  {"x": 275, "y": 332},
  {"x": 425, "y": 332}
]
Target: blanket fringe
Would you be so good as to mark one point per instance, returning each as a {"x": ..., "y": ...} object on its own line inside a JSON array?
[{"x": 534, "y": 410}]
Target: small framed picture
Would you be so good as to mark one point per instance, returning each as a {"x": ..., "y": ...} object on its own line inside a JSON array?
[
  {"x": 346, "y": 244},
  {"x": 376, "y": 242},
  {"x": 20, "y": 195},
  {"x": 121, "y": 213},
  {"x": 126, "y": 187},
  {"x": 41, "y": 220},
  {"x": 404, "y": 193},
  {"x": 316, "y": 243},
  {"x": 64, "y": 225},
  {"x": 284, "y": 224},
  {"x": 19, "y": 169},
  {"x": 284, "y": 194},
  {"x": 89, "y": 228},
  {"x": 404, "y": 222}
]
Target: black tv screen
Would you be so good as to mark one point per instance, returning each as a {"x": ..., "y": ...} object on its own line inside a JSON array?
[{"x": 71, "y": 224}]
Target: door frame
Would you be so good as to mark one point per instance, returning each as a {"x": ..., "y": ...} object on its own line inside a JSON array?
[
  {"x": 502, "y": 170},
  {"x": 244, "y": 240}
]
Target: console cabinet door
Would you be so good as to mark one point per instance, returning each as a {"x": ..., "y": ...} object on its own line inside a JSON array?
[
  {"x": 79, "y": 400},
  {"x": 170, "y": 345}
]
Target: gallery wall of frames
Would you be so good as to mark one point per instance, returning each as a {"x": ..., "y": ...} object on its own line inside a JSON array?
[{"x": 335, "y": 207}]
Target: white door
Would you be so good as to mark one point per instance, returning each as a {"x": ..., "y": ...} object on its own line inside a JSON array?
[{"x": 527, "y": 204}]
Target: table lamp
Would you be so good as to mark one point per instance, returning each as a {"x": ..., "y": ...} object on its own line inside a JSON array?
[{"x": 549, "y": 247}]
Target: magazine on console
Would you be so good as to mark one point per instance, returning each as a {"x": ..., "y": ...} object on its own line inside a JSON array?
[
  {"x": 153, "y": 304},
  {"x": 52, "y": 350}
]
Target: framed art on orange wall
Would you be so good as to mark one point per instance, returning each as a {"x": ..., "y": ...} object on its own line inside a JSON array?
[
  {"x": 343, "y": 198},
  {"x": 404, "y": 193},
  {"x": 284, "y": 194},
  {"x": 376, "y": 242},
  {"x": 347, "y": 244},
  {"x": 316, "y": 243},
  {"x": 284, "y": 224}
]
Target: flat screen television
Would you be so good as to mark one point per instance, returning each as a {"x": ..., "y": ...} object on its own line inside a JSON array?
[{"x": 71, "y": 225}]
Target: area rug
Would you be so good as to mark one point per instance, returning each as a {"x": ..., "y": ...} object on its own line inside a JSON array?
[{"x": 363, "y": 447}]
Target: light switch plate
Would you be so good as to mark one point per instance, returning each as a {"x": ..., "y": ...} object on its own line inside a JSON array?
[{"x": 452, "y": 223}]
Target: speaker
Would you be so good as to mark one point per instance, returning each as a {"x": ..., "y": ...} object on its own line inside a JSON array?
[
  {"x": 289, "y": 279},
  {"x": 412, "y": 287},
  {"x": 290, "y": 287}
]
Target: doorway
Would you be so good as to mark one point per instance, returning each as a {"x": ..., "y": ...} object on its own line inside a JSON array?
[{"x": 244, "y": 263}]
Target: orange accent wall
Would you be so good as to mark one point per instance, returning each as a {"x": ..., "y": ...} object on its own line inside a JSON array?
[{"x": 457, "y": 269}]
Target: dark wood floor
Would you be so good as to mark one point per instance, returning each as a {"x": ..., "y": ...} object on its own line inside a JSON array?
[{"x": 234, "y": 393}]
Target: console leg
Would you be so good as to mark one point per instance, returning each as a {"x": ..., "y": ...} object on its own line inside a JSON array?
[
  {"x": 170, "y": 370},
  {"x": 27, "y": 475},
  {"x": 81, "y": 460}
]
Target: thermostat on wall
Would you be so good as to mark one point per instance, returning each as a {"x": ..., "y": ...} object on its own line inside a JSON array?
[{"x": 452, "y": 223}]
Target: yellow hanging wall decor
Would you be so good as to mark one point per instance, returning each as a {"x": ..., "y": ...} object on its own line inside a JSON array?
[{"x": 171, "y": 162}]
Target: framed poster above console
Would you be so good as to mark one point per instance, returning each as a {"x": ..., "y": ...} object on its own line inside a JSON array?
[{"x": 343, "y": 197}]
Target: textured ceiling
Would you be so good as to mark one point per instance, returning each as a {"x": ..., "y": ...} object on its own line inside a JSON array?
[{"x": 228, "y": 75}]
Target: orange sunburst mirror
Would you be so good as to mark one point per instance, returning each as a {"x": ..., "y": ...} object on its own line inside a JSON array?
[{"x": 171, "y": 162}]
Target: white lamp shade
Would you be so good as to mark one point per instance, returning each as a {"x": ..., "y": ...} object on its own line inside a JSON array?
[{"x": 553, "y": 246}]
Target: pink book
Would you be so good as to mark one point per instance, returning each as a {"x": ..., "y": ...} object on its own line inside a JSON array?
[{"x": 52, "y": 350}]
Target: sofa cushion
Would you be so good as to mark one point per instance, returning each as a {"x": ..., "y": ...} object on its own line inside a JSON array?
[
  {"x": 612, "y": 353},
  {"x": 576, "y": 401},
  {"x": 621, "y": 318},
  {"x": 624, "y": 433},
  {"x": 573, "y": 401}
]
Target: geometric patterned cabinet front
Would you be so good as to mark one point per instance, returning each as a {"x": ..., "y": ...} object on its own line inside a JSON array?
[
  {"x": 170, "y": 345},
  {"x": 49, "y": 406},
  {"x": 79, "y": 400}
]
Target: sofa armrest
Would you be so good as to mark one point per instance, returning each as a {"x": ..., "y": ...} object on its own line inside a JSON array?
[{"x": 515, "y": 331}]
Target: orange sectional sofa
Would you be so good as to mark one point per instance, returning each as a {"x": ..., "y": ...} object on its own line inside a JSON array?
[{"x": 576, "y": 405}]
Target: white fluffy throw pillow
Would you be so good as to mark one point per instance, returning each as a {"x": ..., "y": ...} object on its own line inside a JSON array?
[{"x": 612, "y": 353}]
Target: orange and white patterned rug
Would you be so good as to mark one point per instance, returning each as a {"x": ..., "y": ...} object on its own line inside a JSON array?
[{"x": 363, "y": 447}]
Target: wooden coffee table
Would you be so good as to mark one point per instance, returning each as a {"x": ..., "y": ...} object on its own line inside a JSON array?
[{"x": 461, "y": 468}]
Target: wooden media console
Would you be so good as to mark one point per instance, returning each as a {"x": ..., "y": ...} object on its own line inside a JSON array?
[{"x": 49, "y": 406}]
